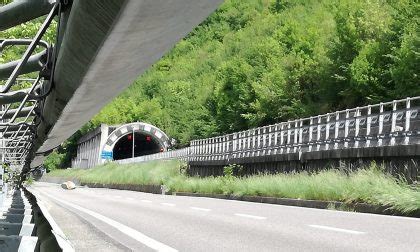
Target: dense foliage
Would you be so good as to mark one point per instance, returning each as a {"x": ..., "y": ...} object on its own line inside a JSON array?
[{"x": 257, "y": 62}]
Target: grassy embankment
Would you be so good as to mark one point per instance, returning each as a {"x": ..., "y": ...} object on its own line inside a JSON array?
[{"x": 370, "y": 185}]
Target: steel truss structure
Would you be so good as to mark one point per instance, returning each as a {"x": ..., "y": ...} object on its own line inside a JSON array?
[{"x": 20, "y": 107}]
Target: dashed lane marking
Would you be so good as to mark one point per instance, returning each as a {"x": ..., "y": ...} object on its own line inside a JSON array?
[
  {"x": 167, "y": 204},
  {"x": 251, "y": 216},
  {"x": 337, "y": 229},
  {"x": 201, "y": 209}
]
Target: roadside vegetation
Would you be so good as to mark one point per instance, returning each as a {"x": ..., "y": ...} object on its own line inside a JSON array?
[{"x": 370, "y": 185}]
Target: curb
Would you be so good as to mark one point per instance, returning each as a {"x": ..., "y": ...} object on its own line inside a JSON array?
[
  {"x": 155, "y": 189},
  {"x": 358, "y": 207}
]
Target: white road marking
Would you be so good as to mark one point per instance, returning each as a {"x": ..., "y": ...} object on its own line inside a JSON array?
[
  {"x": 167, "y": 204},
  {"x": 251, "y": 216},
  {"x": 337, "y": 229},
  {"x": 142, "y": 238},
  {"x": 146, "y": 201},
  {"x": 201, "y": 209}
]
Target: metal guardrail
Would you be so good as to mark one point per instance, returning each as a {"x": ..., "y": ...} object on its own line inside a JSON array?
[
  {"x": 383, "y": 124},
  {"x": 181, "y": 154}
]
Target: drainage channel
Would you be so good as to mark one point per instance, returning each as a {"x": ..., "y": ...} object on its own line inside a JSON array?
[{"x": 25, "y": 225}]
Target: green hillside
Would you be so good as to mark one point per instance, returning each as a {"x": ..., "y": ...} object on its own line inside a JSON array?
[{"x": 257, "y": 62}]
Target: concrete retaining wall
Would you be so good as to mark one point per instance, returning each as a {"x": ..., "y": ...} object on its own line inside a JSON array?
[{"x": 397, "y": 160}]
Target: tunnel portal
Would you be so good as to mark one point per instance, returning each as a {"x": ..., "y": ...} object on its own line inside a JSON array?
[{"x": 136, "y": 145}]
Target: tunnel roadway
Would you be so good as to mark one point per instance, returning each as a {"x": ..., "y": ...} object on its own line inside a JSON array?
[{"x": 96, "y": 219}]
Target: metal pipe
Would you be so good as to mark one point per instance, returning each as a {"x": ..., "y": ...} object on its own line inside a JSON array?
[
  {"x": 19, "y": 42},
  {"x": 22, "y": 113},
  {"x": 34, "y": 64},
  {"x": 20, "y": 11},
  {"x": 30, "y": 49}
]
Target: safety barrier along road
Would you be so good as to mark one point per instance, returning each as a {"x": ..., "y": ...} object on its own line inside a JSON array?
[{"x": 379, "y": 125}]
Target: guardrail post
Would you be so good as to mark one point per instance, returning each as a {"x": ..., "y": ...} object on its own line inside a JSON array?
[
  {"x": 357, "y": 128},
  {"x": 311, "y": 121},
  {"x": 346, "y": 129},
  {"x": 368, "y": 125},
  {"x": 201, "y": 151},
  {"x": 407, "y": 121},
  {"x": 213, "y": 147},
  {"x": 218, "y": 149},
  {"x": 270, "y": 138},
  {"x": 300, "y": 134},
  {"x": 208, "y": 150},
  {"x": 381, "y": 123},
  {"x": 288, "y": 136},
  {"x": 327, "y": 132},
  {"x": 337, "y": 129},
  {"x": 318, "y": 134},
  {"x": 264, "y": 140},
  {"x": 281, "y": 144},
  {"x": 295, "y": 138},
  {"x": 235, "y": 147},
  {"x": 393, "y": 122}
]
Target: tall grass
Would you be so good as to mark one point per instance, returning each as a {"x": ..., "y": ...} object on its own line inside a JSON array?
[{"x": 370, "y": 185}]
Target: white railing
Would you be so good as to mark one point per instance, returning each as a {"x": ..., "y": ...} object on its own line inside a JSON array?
[
  {"x": 384, "y": 124},
  {"x": 181, "y": 154}
]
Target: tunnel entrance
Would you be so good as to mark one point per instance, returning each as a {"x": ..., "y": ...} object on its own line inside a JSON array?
[{"x": 139, "y": 143}]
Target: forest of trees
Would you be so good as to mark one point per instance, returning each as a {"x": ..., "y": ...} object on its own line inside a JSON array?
[{"x": 258, "y": 62}]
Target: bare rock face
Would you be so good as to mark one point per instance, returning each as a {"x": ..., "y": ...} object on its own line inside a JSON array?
[{"x": 69, "y": 185}]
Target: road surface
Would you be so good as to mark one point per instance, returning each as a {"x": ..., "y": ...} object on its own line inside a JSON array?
[{"x": 96, "y": 219}]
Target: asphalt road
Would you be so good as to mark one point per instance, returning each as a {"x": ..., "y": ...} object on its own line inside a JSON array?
[{"x": 114, "y": 220}]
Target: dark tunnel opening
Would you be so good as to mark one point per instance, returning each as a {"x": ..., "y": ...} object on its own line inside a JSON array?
[{"x": 143, "y": 145}]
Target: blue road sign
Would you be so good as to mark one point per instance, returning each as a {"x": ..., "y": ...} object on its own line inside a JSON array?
[{"x": 106, "y": 155}]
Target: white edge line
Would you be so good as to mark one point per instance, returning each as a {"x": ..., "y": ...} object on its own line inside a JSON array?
[
  {"x": 251, "y": 216},
  {"x": 138, "y": 236},
  {"x": 200, "y": 209},
  {"x": 167, "y": 204},
  {"x": 337, "y": 229}
]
